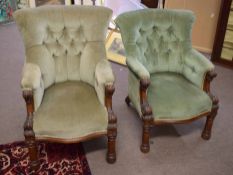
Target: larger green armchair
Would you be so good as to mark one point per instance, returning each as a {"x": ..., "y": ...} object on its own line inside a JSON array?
[
  {"x": 169, "y": 81},
  {"x": 67, "y": 82}
]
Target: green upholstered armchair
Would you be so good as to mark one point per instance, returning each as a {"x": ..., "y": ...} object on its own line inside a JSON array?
[
  {"x": 169, "y": 81},
  {"x": 67, "y": 82}
]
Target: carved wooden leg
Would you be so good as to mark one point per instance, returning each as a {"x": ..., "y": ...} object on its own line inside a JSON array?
[
  {"x": 112, "y": 124},
  {"x": 111, "y": 154},
  {"x": 32, "y": 149},
  {"x": 29, "y": 133},
  {"x": 206, "y": 134},
  {"x": 146, "y": 115},
  {"x": 145, "y": 146},
  {"x": 127, "y": 100}
]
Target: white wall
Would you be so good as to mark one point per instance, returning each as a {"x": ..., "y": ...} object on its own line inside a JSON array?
[{"x": 120, "y": 6}]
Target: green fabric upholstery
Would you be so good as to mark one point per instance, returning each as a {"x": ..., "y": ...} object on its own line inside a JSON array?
[
  {"x": 66, "y": 42},
  {"x": 196, "y": 67},
  {"x": 66, "y": 67},
  {"x": 133, "y": 91},
  {"x": 137, "y": 68},
  {"x": 31, "y": 76},
  {"x": 70, "y": 110},
  {"x": 158, "y": 41},
  {"x": 32, "y": 80},
  {"x": 104, "y": 76},
  {"x": 161, "y": 40},
  {"x": 173, "y": 97}
]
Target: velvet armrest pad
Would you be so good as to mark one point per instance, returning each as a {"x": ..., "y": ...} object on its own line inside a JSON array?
[
  {"x": 103, "y": 76},
  {"x": 103, "y": 73},
  {"x": 137, "y": 68},
  {"x": 31, "y": 77},
  {"x": 196, "y": 66}
]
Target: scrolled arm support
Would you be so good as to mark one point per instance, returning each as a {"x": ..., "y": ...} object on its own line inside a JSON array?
[
  {"x": 109, "y": 90},
  {"x": 28, "y": 130},
  {"x": 28, "y": 124},
  {"x": 28, "y": 97},
  {"x": 112, "y": 124},
  {"x": 206, "y": 134},
  {"x": 146, "y": 115},
  {"x": 145, "y": 107},
  {"x": 210, "y": 75}
]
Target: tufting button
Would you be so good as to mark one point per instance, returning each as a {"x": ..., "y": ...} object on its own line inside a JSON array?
[
  {"x": 193, "y": 69},
  {"x": 141, "y": 31},
  {"x": 154, "y": 28},
  {"x": 72, "y": 42}
]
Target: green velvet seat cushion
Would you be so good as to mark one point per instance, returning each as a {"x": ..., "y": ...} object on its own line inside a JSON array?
[
  {"x": 70, "y": 110},
  {"x": 173, "y": 97}
]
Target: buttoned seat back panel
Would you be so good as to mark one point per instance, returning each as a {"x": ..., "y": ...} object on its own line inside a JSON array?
[
  {"x": 157, "y": 38},
  {"x": 65, "y": 41}
]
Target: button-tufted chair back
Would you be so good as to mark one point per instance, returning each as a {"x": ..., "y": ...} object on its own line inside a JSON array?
[
  {"x": 157, "y": 38},
  {"x": 65, "y": 41}
]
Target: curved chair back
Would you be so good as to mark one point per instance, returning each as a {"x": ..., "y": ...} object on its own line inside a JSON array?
[
  {"x": 157, "y": 38},
  {"x": 66, "y": 42}
]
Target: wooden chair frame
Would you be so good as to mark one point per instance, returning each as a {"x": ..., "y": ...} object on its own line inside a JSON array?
[
  {"x": 31, "y": 139},
  {"x": 147, "y": 116}
]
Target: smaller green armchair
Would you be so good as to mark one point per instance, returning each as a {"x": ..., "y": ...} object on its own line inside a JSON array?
[
  {"x": 169, "y": 81},
  {"x": 67, "y": 82}
]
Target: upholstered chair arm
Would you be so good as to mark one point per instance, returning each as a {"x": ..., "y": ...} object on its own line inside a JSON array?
[
  {"x": 103, "y": 72},
  {"x": 137, "y": 69},
  {"x": 31, "y": 77},
  {"x": 196, "y": 67},
  {"x": 104, "y": 86},
  {"x": 139, "y": 81},
  {"x": 32, "y": 82},
  {"x": 103, "y": 77}
]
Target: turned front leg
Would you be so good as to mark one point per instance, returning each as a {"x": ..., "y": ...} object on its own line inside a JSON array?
[
  {"x": 145, "y": 146},
  {"x": 29, "y": 133},
  {"x": 112, "y": 124},
  {"x": 112, "y": 133}
]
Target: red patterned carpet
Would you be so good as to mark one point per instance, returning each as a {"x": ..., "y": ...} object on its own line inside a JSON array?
[{"x": 55, "y": 159}]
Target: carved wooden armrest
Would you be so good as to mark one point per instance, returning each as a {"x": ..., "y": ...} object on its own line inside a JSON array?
[
  {"x": 145, "y": 107},
  {"x": 210, "y": 75}
]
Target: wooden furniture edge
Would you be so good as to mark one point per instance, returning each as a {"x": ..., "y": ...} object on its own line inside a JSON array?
[{"x": 112, "y": 124}]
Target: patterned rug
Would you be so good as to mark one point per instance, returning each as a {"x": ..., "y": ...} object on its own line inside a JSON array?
[{"x": 55, "y": 159}]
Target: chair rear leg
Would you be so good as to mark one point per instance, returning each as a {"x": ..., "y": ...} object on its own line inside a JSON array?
[
  {"x": 206, "y": 134},
  {"x": 127, "y": 100}
]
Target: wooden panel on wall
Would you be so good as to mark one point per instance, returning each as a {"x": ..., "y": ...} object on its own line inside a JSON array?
[
  {"x": 150, "y": 3},
  {"x": 206, "y": 20}
]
